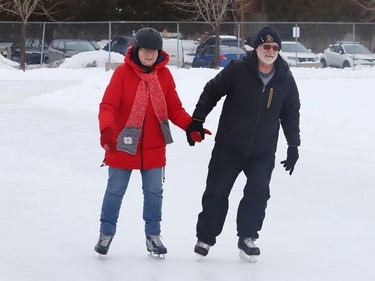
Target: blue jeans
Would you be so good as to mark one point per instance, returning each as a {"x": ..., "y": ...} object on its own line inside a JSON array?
[{"x": 118, "y": 180}]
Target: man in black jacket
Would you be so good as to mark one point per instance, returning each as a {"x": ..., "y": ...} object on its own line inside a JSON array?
[{"x": 261, "y": 94}]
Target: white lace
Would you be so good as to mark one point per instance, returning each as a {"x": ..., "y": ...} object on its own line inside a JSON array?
[
  {"x": 203, "y": 245},
  {"x": 249, "y": 242},
  {"x": 156, "y": 240},
  {"x": 104, "y": 240}
]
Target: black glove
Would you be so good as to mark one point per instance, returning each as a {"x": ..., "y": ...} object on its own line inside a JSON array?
[
  {"x": 291, "y": 159},
  {"x": 195, "y": 132}
]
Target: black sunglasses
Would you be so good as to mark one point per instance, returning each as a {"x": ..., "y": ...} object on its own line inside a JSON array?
[{"x": 268, "y": 47}]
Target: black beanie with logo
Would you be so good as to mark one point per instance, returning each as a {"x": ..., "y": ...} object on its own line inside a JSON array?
[{"x": 267, "y": 35}]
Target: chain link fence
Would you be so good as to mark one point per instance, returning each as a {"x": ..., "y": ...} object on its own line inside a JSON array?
[{"x": 314, "y": 35}]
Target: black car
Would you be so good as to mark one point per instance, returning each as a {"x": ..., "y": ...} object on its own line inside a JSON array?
[
  {"x": 33, "y": 51},
  {"x": 120, "y": 44}
]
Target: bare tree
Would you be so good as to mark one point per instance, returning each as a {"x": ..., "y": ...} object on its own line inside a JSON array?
[
  {"x": 367, "y": 7},
  {"x": 24, "y": 9},
  {"x": 213, "y": 12},
  {"x": 239, "y": 9}
]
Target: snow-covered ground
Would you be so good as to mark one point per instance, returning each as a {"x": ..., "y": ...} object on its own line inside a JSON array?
[{"x": 319, "y": 223}]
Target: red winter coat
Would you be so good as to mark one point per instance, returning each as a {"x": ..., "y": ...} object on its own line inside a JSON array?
[{"x": 116, "y": 106}]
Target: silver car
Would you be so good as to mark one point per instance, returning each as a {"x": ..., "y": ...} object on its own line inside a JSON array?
[
  {"x": 347, "y": 54},
  {"x": 60, "y": 49},
  {"x": 297, "y": 54}
]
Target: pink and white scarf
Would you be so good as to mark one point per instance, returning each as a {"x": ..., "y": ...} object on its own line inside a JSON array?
[{"x": 149, "y": 87}]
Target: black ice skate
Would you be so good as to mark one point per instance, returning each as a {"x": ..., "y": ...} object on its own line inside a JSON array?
[
  {"x": 248, "y": 250},
  {"x": 103, "y": 244},
  {"x": 155, "y": 246},
  {"x": 201, "y": 249}
]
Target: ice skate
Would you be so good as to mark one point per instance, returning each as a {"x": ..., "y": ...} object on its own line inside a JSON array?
[
  {"x": 248, "y": 250},
  {"x": 201, "y": 249},
  {"x": 103, "y": 244},
  {"x": 155, "y": 246}
]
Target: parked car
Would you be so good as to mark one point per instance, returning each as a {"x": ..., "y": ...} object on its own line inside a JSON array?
[
  {"x": 206, "y": 57},
  {"x": 5, "y": 49},
  {"x": 120, "y": 44},
  {"x": 95, "y": 44},
  {"x": 33, "y": 51},
  {"x": 228, "y": 40},
  {"x": 64, "y": 48},
  {"x": 175, "y": 50},
  {"x": 297, "y": 54},
  {"x": 347, "y": 54}
]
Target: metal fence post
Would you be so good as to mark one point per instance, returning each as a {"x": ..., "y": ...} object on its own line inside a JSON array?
[
  {"x": 238, "y": 38},
  {"x": 178, "y": 46},
  {"x": 109, "y": 41},
  {"x": 296, "y": 43},
  {"x": 42, "y": 51},
  {"x": 353, "y": 44}
]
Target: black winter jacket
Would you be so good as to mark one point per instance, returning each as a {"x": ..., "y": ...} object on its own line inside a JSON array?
[{"x": 252, "y": 114}]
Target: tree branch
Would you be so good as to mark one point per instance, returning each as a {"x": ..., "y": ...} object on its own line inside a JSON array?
[{"x": 367, "y": 7}]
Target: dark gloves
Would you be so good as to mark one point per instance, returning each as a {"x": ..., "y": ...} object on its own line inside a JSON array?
[
  {"x": 107, "y": 140},
  {"x": 291, "y": 159},
  {"x": 195, "y": 132}
]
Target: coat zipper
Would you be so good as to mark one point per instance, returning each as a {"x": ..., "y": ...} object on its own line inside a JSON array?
[
  {"x": 257, "y": 120},
  {"x": 141, "y": 144},
  {"x": 142, "y": 134}
]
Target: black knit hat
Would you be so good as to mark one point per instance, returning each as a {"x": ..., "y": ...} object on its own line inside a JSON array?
[
  {"x": 148, "y": 38},
  {"x": 267, "y": 35}
]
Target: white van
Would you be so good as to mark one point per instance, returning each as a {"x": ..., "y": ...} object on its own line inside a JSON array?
[{"x": 170, "y": 46}]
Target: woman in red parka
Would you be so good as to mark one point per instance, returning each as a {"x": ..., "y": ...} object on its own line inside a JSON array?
[{"x": 133, "y": 118}]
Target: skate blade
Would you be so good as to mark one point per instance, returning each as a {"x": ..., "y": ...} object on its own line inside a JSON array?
[
  {"x": 101, "y": 255},
  {"x": 157, "y": 256},
  {"x": 247, "y": 258},
  {"x": 200, "y": 257}
]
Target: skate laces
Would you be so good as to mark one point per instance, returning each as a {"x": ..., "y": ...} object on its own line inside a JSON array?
[
  {"x": 250, "y": 242},
  {"x": 156, "y": 240},
  {"x": 105, "y": 239},
  {"x": 203, "y": 245}
]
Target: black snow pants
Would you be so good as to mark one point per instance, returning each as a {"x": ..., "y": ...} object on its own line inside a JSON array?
[{"x": 224, "y": 167}]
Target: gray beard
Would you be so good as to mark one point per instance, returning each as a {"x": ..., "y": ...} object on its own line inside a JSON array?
[{"x": 268, "y": 62}]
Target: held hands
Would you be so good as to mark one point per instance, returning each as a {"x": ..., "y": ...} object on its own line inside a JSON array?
[
  {"x": 291, "y": 159},
  {"x": 107, "y": 140},
  {"x": 195, "y": 132}
]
